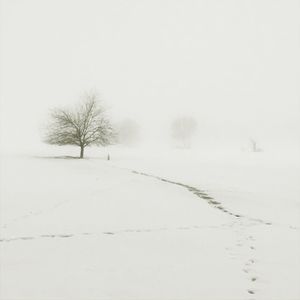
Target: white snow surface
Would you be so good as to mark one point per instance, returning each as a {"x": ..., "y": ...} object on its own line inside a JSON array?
[{"x": 93, "y": 229}]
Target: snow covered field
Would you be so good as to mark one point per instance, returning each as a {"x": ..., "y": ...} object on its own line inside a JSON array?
[{"x": 184, "y": 225}]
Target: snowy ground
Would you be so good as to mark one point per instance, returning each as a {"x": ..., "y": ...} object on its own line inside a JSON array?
[{"x": 184, "y": 225}]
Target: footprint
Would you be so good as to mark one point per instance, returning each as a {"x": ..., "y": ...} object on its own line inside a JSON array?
[
  {"x": 65, "y": 235},
  {"x": 214, "y": 202},
  {"x": 48, "y": 235},
  {"x": 251, "y": 292}
]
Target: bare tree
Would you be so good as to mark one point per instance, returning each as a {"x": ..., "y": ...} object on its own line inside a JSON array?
[
  {"x": 253, "y": 145},
  {"x": 183, "y": 129},
  {"x": 84, "y": 126}
]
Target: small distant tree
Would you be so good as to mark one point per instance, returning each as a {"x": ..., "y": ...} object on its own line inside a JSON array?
[
  {"x": 128, "y": 132},
  {"x": 182, "y": 130},
  {"x": 254, "y": 146},
  {"x": 83, "y": 126}
]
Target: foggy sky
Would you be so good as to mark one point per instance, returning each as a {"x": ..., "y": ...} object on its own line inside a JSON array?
[{"x": 233, "y": 65}]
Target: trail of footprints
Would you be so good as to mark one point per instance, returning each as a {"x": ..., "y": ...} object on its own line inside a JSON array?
[
  {"x": 116, "y": 232},
  {"x": 248, "y": 267},
  {"x": 203, "y": 195},
  {"x": 250, "y": 241},
  {"x": 245, "y": 250}
]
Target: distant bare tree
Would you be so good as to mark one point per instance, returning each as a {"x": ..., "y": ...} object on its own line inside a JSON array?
[
  {"x": 254, "y": 146},
  {"x": 128, "y": 132},
  {"x": 183, "y": 129},
  {"x": 84, "y": 126}
]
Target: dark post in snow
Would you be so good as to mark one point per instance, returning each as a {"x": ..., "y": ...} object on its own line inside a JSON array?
[{"x": 85, "y": 126}]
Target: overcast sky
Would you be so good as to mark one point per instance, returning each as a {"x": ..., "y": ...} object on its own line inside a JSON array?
[{"x": 232, "y": 64}]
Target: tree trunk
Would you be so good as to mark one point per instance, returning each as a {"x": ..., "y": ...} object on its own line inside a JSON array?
[{"x": 81, "y": 151}]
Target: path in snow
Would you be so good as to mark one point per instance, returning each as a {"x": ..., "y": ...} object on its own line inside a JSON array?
[
  {"x": 249, "y": 240},
  {"x": 203, "y": 195},
  {"x": 128, "y": 237}
]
